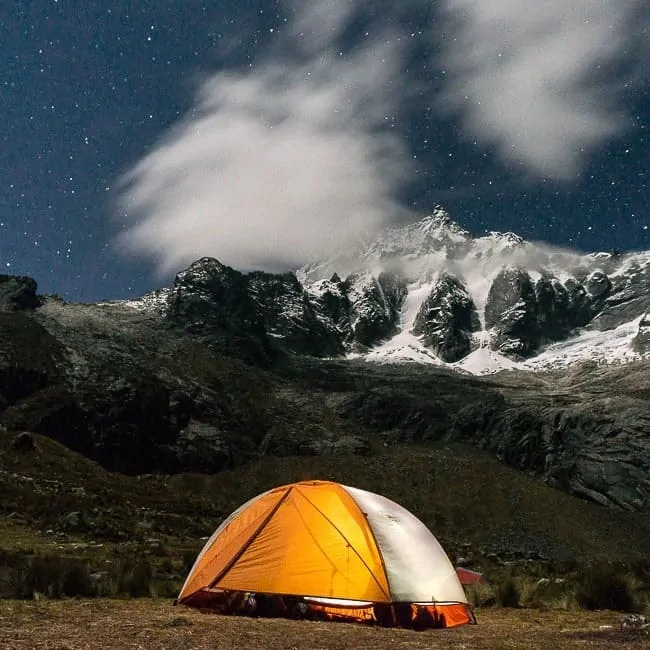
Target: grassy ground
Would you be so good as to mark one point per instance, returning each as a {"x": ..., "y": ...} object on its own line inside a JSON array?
[
  {"x": 462, "y": 494},
  {"x": 154, "y": 625}
]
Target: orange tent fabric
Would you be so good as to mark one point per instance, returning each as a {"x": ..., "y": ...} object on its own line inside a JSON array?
[{"x": 322, "y": 540}]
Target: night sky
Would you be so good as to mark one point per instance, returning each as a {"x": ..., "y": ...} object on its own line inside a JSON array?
[{"x": 88, "y": 89}]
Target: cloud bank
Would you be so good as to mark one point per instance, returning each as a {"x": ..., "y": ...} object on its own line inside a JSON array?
[
  {"x": 538, "y": 79},
  {"x": 276, "y": 166},
  {"x": 285, "y": 163}
]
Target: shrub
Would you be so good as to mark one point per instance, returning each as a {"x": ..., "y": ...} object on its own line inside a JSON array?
[
  {"x": 604, "y": 587},
  {"x": 13, "y": 579},
  {"x": 105, "y": 583},
  {"x": 189, "y": 557},
  {"x": 508, "y": 593},
  {"x": 135, "y": 579},
  {"x": 166, "y": 588},
  {"x": 50, "y": 575},
  {"x": 77, "y": 581},
  {"x": 549, "y": 593},
  {"x": 641, "y": 570},
  {"x": 54, "y": 576},
  {"x": 480, "y": 595}
]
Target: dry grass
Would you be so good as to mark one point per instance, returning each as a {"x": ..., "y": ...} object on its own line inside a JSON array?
[{"x": 154, "y": 625}]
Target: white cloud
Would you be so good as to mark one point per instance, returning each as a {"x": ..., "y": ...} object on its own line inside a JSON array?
[
  {"x": 285, "y": 163},
  {"x": 276, "y": 166},
  {"x": 536, "y": 78}
]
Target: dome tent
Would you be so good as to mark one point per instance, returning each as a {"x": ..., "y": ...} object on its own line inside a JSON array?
[{"x": 344, "y": 552}]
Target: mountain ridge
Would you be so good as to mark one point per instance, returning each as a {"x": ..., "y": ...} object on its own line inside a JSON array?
[
  {"x": 222, "y": 368},
  {"x": 553, "y": 295},
  {"x": 534, "y": 307}
]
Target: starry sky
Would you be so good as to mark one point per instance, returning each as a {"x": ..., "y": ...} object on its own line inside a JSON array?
[{"x": 137, "y": 136}]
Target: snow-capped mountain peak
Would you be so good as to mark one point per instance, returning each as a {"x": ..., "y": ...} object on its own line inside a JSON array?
[
  {"x": 434, "y": 234},
  {"x": 431, "y": 292},
  {"x": 540, "y": 301}
]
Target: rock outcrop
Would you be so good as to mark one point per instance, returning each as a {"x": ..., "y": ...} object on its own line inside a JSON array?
[
  {"x": 447, "y": 319},
  {"x": 641, "y": 341},
  {"x": 17, "y": 293},
  {"x": 511, "y": 313},
  {"x": 255, "y": 312}
]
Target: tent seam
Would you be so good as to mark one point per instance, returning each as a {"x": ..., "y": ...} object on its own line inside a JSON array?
[
  {"x": 379, "y": 551},
  {"x": 219, "y": 531},
  {"x": 251, "y": 539},
  {"x": 374, "y": 539},
  {"x": 340, "y": 532}
]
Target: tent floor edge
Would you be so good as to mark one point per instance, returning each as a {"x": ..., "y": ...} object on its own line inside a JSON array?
[{"x": 414, "y": 616}]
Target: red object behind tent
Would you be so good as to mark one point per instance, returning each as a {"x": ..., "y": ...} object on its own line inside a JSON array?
[{"x": 469, "y": 577}]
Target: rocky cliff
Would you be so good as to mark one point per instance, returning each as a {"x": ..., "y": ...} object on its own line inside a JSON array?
[
  {"x": 432, "y": 292},
  {"x": 222, "y": 368},
  {"x": 529, "y": 300}
]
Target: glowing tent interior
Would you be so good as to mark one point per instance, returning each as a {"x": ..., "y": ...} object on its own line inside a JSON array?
[{"x": 324, "y": 550}]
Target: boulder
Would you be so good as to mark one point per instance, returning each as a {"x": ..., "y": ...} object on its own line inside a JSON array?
[
  {"x": 202, "y": 448},
  {"x": 74, "y": 521},
  {"x": 23, "y": 442},
  {"x": 351, "y": 445}
]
